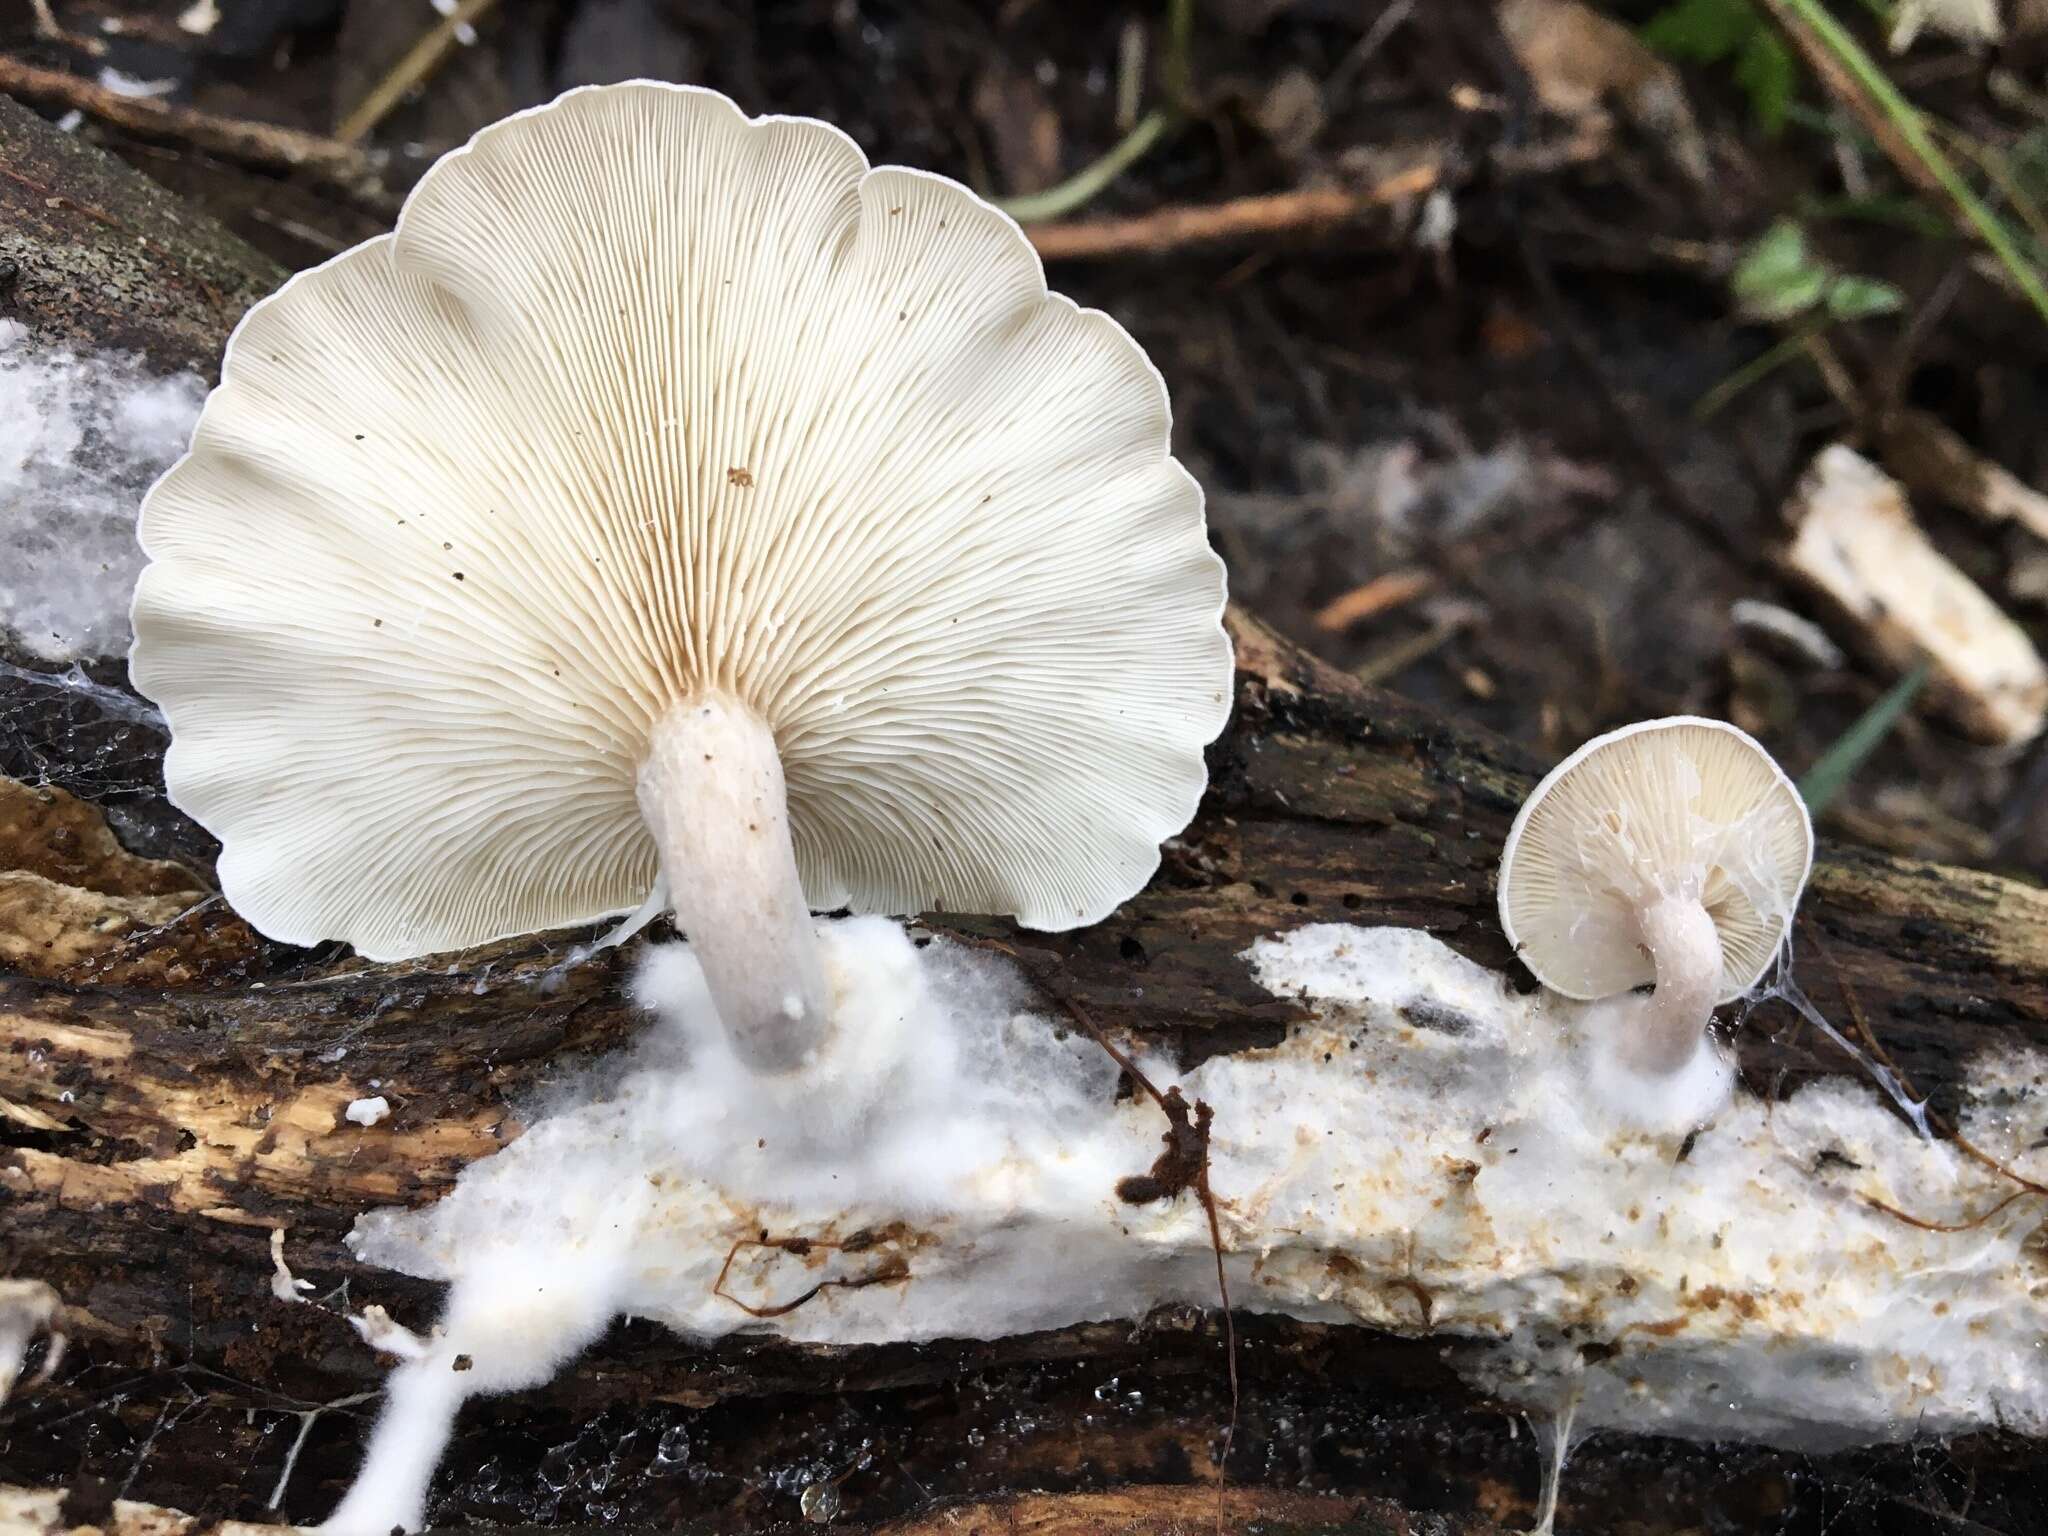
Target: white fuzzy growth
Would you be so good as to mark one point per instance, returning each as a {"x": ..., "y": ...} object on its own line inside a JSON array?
[
  {"x": 367, "y": 1112},
  {"x": 1427, "y": 1134},
  {"x": 1674, "y": 1101},
  {"x": 84, "y": 437},
  {"x": 608, "y": 1205},
  {"x": 121, "y": 83},
  {"x": 1751, "y": 1288},
  {"x": 385, "y": 1334}
]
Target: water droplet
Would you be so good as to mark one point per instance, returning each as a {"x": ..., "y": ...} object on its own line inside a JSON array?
[
  {"x": 673, "y": 1448},
  {"x": 820, "y": 1502},
  {"x": 558, "y": 1468}
]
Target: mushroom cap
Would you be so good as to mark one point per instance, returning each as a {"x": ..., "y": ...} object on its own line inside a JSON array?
[
  {"x": 644, "y": 399},
  {"x": 1684, "y": 806}
]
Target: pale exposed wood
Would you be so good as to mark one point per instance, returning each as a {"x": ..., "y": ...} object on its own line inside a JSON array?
[{"x": 1856, "y": 543}]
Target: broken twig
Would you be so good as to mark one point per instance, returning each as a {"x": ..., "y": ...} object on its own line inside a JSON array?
[
  {"x": 232, "y": 138},
  {"x": 1304, "y": 210}
]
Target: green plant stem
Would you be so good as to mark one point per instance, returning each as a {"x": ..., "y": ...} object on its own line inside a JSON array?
[
  {"x": 1905, "y": 117},
  {"x": 1752, "y": 373},
  {"x": 1831, "y": 773},
  {"x": 1999, "y": 174},
  {"x": 1090, "y": 180}
]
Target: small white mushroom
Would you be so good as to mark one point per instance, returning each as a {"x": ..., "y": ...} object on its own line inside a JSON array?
[
  {"x": 284, "y": 1285},
  {"x": 674, "y": 497},
  {"x": 1674, "y": 852}
]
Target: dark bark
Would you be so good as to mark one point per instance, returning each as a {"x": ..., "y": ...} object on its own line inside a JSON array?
[
  {"x": 170, "y": 1094},
  {"x": 102, "y": 257}
]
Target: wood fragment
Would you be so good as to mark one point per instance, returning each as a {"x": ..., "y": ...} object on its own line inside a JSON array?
[
  {"x": 1856, "y": 543},
  {"x": 1305, "y": 210},
  {"x": 1932, "y": 460},
  {"x": 1385, "y": 592}
]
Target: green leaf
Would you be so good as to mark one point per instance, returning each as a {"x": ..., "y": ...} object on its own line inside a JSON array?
[
  {"x": 1859, "y": 298},
  {"x": 1837, "y": 766},
  {"x": 1778, "y": 278},
  {"x": 1768, "y": 75},
  {"x": 1702, "y": 31}
]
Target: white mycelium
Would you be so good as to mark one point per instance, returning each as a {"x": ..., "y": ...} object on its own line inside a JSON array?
[
  {"x": 81, "y": 437},
  {"x": 1414, "y": 1157}
]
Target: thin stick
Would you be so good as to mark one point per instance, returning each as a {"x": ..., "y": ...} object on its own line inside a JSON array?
[
  {"x": 1376, "y": 670},
  {"x": 232, "y": 138},
  {"x": 1389, "y": 590},
  {"x": 420, "y": 61},
  {"x": 1940, "y": 1226},
  {"x": 1750, "y": 373},
  {"x": 1303, "y": 210},
  {"x": 1174, "y": 1107}
]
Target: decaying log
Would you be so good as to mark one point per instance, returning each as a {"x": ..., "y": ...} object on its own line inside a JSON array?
[
  {"x": 1135, "y": 1511},
  {"x": 159, "y": 1133},
  {"x": 173, "y": 1090},
  {"x": 93, "y": 254}
]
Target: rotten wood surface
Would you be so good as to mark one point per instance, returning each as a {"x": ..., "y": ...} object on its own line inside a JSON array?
[
  {"x": 94, "y": 255},
  {"x": 1158, "y": 1510},
  {"x": 192, "y": 1072},
  {"x": 172, "y": 1090}
]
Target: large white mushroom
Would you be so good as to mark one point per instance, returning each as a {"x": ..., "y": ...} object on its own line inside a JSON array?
[
  {"x": 1673, "y": 851},
  {"x": 673, "y": 496}
]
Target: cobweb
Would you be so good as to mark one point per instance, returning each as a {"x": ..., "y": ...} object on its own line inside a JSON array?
[{"x": 85, "y": 435}]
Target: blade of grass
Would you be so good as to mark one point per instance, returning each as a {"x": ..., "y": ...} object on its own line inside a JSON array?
[
  {"x": 1910, "y": 129},
  {"x": 1088, "y": 182},
  {"x": 1084, "y": 185},
  {"x": 1831, "y": 773},
  {"x": 1751, "y": 373}
]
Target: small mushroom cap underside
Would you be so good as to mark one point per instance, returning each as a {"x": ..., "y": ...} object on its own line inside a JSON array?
[
  {"x": 644, "y": 400},
  {"x": 1678, "y": 807}
]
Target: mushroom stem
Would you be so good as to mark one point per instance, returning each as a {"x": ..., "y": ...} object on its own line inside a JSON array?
[
  {"x": 1682, "y": 939},
  {"x": 712, "y": 792}
]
